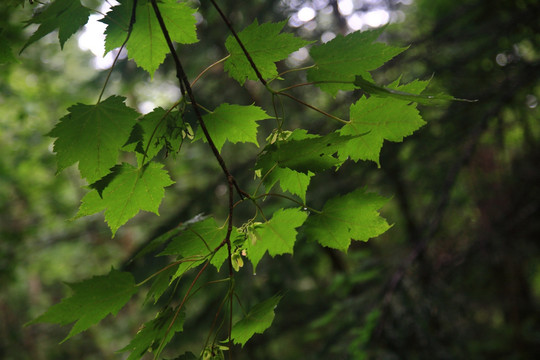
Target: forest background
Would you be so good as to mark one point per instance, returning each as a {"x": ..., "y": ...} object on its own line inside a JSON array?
[{"x": 456, "y": 277}]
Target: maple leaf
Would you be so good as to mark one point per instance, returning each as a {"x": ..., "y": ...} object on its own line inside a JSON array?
[
  {"x": 374, "y": 89},
  {"x": 289, "y": 180},
  {"x": 167, "y": 236},
  {"x": 197, "y": 242},
  {"x": 155, "y": 334},
  {"x": 68, "y": 16},
  {"x": 235, "y": 123},
  {"x": 92, "y": 300},
  {"x": 146, "y": 44},
  {"x": 161, "y": 283},
  {"x": 265, "y": 45},
  {"x": 258, "y": 319},
  {"x": 153, "y": 132},
  {"x": 125, "y": 192},
  {"x": 304, "y": 152},
  {"x": 277, "y": 236},
  {"x": 292, "y": 181},
  {"x": 93, "y": 135},
  {"x": 381, "y": 118},
  {"x": 352, "y": 216},
  {"x": 344, "y": 57}
]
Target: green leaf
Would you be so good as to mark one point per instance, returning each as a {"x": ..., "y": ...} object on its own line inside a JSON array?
[
  {"x": 377, "y": 90},
  {"x": 352, "y": 216},
  {"x": 265, "y": 45},
  {"x": 382, "y": 119},
  {"x": 258, "y": 319},
  {"x": 153, "y": 132},
  {"x": 92, "y": 300},
  {"x": 130, "y": 191},
  {"x": 161, "y": 283},
  {"x": 146, "y": 44},
  {"x": 155, "y": 334},
  {"x": 235, "y": 123},
  {"x": 165, "y": 237},
  {"x": 66, "y": 16},
  {"x": 117, "y": 20},
  {"x": 6, "y": 54},
  {"x": 277, "y": 235},
  {"x": 197, "y": 242},
  {"x": 309, "y": 153},
  {"x": 93, "y": 136},
  {"x": 292, "y": 181},
  {"x": 341, "y": 59}
]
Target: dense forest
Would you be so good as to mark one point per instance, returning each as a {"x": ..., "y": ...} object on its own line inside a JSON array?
[{"x": 449, "y": 270}]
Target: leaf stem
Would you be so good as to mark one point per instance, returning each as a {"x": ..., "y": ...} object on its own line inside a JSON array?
[
  {"x": 208, "y": 68},
  {"x": 177, "y": 312},
  {"x": 291, "y": 70},
  {"x": 232, "y": 184},
  {"x": 290, "y": 199},
  {"x": 189, "y": 259},
  {"x": 313, "y": 107},
  {"x": 130, "y": 28},
  {"x": 214, "y": 322},
  {"x": 315, "y": 83}
]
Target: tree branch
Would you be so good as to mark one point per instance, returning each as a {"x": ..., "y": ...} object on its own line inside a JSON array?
[{"x": 184, "y": 82}]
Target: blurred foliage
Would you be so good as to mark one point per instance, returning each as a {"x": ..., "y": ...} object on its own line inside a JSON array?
[{"x": 458, "y": 275}]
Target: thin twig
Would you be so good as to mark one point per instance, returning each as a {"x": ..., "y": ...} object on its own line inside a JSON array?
[
  {"x": 130, "y": 29},
  {"x": 313, "y": 107},
  {"x": 182, "y": 77},
  {"x": 208, "y": 68},
  {"x": 315, "y": 83},
  {"x": 246, "y": 53},
  {"x": 162, "y": 344}
]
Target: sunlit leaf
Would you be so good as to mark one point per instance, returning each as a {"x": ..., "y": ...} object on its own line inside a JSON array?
[
  {"x": 233, "y": 123},
  {"x": 338, "y": 61},
  {"x": 295, "y": 182},
  {"x": 381, "y": 119},
  {"x": 93, "y": 135},
  {"x": 354, "y": 216},
  {"x": 147, "y": 44},
  {"x": 129, "y": 191},
  {"x": 258, "y": 319},
  {"x": 266, "y": 45},
  {"x": 277, "y": 235}
]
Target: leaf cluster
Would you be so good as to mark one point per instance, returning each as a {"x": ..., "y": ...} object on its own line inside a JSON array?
[{"x": 119, "y": 153}]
